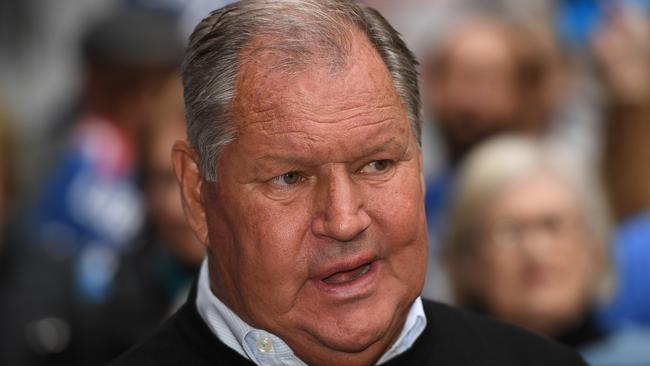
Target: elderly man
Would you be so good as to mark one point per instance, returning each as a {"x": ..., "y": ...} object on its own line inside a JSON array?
[{"x": 303, "y": 178}]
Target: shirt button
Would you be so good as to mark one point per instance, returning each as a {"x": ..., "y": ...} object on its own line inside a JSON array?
[{"x": 264, "y": 344}]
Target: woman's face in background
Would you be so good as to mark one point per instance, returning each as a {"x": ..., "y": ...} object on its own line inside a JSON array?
[{"x": 536, "y": 262}]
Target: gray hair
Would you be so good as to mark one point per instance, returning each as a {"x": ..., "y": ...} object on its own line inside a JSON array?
[{"x": 301, "y": 31}]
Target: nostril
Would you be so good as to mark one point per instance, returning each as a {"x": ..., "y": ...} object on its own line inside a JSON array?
[
  {"x": 348, "y": 227},
  {"x": 341, "y": 227}
]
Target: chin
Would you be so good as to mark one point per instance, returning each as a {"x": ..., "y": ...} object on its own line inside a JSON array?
[
  {"x": 356, "y": 330},
  {"x": 351, "y": 340}
]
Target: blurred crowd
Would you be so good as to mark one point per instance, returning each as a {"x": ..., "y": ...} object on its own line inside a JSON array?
[{"x": 536, "y": 146}]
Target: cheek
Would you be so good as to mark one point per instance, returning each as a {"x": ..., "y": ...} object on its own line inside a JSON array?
[
  {"x": 399, "y": 205},
  {"x": 499, "y": 275},
  {"x": 399, "y": 224},
  {"x": 274, "y": 228},
  {"x": 579, "y": 265},
  {"x": 501, "y": 265},
  {"x": 272, "y": 263}
]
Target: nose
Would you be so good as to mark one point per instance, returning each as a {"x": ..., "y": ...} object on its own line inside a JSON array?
[
  {"x": 536, "y": 241},
  {"x": 341, "y": 215}
]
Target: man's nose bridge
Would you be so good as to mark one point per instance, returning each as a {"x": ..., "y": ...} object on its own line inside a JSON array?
[
  {"x": 343, "y": 217},
  {"x": 342, "y": 196}
]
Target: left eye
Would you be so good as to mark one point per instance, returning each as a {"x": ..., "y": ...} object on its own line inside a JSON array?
[
  {"x": 376, "y": 166},
  {"x": 287, "y": 179}
]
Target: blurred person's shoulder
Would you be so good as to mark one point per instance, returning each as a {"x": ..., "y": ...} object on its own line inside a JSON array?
[
  {"x": 459, "y": 337},
  {"x": 184, "y": 339}
]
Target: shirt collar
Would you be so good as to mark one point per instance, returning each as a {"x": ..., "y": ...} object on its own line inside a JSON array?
[{"x": 264, "y": 348}]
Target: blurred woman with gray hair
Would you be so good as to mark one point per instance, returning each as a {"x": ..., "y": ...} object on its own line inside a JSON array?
[{"x": 528, "y": 243}]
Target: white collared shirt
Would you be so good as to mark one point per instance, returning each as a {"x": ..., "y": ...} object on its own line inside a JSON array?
[{"x": 266, "y": 349}]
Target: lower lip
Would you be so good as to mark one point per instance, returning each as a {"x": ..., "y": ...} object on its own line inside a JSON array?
[{"x": 356, "y": 287}]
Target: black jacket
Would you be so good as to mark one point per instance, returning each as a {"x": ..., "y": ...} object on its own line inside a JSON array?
[{"x": 452, "y": 337}]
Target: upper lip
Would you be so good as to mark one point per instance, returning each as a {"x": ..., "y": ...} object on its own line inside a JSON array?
[{"x": 346, "y": 264}]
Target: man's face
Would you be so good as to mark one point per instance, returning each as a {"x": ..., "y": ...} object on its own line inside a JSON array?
[
  {"x": 165, "y": 211},
  {"x": 316, "y": 224},
  {"x": 162, "y": 193},
  {"x": 476, "y": 93}
]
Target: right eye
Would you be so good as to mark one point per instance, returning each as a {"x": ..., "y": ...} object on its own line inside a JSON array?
[
  {"x": 286, "y": 179},
  {"x": 377, "y": 166}
]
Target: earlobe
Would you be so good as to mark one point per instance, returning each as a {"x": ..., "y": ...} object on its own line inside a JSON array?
[{"x": 186, "y": 166}]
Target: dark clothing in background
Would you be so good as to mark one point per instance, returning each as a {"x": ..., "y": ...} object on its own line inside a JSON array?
[
  {"x": 44, "y": 321},
  {"x": 452, "y": 337}
]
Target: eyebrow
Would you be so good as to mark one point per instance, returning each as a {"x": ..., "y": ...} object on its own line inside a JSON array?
[
  {"x": 386, "y": 145},
  {"x": 389, "y": 144}
]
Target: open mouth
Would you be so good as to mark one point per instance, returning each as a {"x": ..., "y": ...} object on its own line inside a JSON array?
[{"x": 342, "y": 277}]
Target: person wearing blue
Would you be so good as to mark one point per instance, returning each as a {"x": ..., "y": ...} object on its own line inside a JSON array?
[
  {"x": 89, "y": 212},
  {"x": 631, "y": 303},
  {"x": 625, "y": 159},
  {"x": 91, "y": 206}
]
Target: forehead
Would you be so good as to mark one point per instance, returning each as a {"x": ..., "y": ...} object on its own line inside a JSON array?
[
  {"x": 481, "y": 44},
  {"x": 539, "y": 192},
  {"x": 276, "y": 101}
]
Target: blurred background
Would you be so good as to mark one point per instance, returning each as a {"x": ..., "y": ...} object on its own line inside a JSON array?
[{"x": 537, "y": 160}]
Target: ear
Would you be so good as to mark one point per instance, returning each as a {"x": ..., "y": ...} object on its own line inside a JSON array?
[
  {"x": 188, "y": 174},
  {"x": 423, "y": 182}
]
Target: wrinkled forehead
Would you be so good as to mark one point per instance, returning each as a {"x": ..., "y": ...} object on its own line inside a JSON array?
[{"x": 269, "y": 85}]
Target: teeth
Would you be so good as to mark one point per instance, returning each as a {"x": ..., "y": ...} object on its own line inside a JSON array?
[
  {"x": 347, "y": 276},
  {"x": 365, "y": 270}
]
